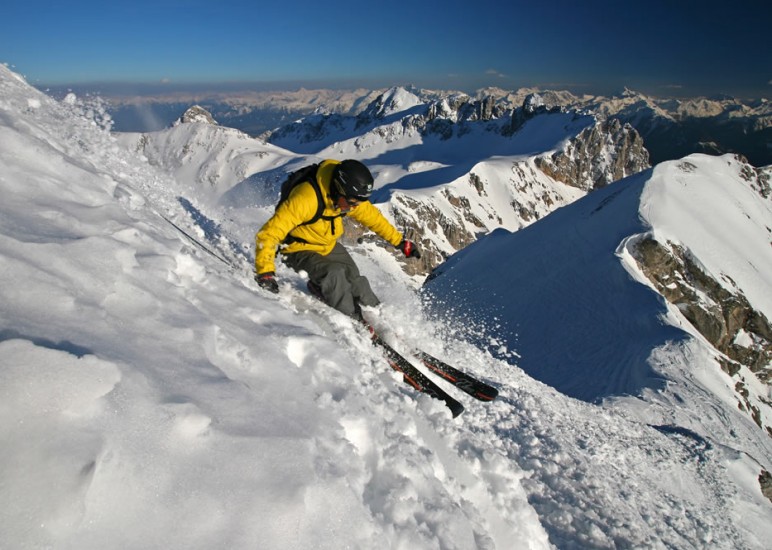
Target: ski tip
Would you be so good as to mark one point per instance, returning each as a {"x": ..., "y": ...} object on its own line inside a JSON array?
[
  {"x": 455, "y": 408},
  {"x": 490, "y": 395}
]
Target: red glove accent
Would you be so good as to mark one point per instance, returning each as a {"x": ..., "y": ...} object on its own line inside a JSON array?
[
  {"x": 409, "y": 249},
  {"x": 268, "y": 282}
]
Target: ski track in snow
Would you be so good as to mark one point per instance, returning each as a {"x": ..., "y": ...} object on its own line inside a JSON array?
[{"x": 151, "y": 396}]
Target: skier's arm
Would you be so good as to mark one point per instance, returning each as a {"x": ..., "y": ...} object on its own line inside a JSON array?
[
  {"x": 369, "y": 216},
  {"x": 298, "y": 208}
]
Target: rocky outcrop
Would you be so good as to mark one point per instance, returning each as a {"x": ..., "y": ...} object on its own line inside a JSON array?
[
  {"x": 723, "y": 316},
  {"x": 462, "y": 108},
  {"x": 419, "y": 221},
  {"x": 197, "y": 114},
  {"x": 396, "y": 112},
  {"x": 765, "y": 480},
  {"x": 533, "y": 105},
  {"x": 758, "y": 178},
  {"x": 601, "y": 154},
  {"x": 597, "y": 152}
]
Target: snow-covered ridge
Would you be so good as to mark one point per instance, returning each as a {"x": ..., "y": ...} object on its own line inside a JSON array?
[
  {"x": 200, "y": 153},
  {"x": 671, "y": 127},
  {"x": 446, "y": 171},
  {"x": 151, "y": 397},
  {"x": 394, "y": 101},
  {"x": 657, "y": 286}
]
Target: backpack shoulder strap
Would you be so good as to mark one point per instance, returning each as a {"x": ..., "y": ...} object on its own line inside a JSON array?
[
  {"x": 319, "y": 200},
  {"x": 311, "y": 178},
  {"x": 302, "y": 175},
  {"x": 307, "y": 174}
]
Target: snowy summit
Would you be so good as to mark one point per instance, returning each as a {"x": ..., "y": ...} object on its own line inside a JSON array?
[{"x": 152, "y": 397}]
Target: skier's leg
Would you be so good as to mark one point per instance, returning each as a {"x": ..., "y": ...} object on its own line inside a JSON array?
[
  {"x": 360, "y": 286},
  {"x": 329, "y": 275}
]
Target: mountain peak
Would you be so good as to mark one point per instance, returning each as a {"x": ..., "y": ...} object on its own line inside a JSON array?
[
  {"x": 627, "y": 93},
  {"x": 196, "y": 113},
  {"x": 392, "y": 101}
]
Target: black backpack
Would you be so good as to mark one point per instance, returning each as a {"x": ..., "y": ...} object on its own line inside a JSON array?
[{"x": 307, "y": 173}]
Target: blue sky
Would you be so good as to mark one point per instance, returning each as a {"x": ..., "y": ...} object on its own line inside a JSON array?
[{"x": 675, "y": 47}]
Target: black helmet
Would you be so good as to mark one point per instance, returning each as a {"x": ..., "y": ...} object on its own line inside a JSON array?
[{"x": 352, "y": 179}]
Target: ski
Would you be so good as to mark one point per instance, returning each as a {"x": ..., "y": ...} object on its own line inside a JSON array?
[
  {"x": 419, "y": 380},
  {"x": 463, "y": 381},
  {"x": 416, "y": 378}
]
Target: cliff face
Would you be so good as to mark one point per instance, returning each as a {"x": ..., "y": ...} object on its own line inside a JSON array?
[
  {"x": 714, "y": 304},
  {"x": 606, "y": 152},
  {"x": 514, "y": 194}
]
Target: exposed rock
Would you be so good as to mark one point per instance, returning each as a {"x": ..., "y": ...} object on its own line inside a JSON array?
[
  {"x": 430, "y": 255},
  {"x": 430, "y": 217},
  {"x": 758, "y": 178},
  {"x": 197, "y": 114},
  {"x": 601, "y": 154},
  {"x": 462, "y": 108},
  {"x": 476, "y": 182},
  {"x": 393, "y": 101},
  {"x": 724, "y": 318},
  {"x": 765, "y": 480},
  {"x": 533, "y": 105}
]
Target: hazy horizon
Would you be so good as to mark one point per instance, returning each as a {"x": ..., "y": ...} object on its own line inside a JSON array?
[
  {"x": 686, "y": 48},
  {"x": 160, "y": 90}
]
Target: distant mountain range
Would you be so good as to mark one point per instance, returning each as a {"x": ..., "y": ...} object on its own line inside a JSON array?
[
  {"x": 671, "y": 128},
  {"x": 448, "y": 170}
]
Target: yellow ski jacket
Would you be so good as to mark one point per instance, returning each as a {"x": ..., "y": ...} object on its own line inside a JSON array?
[{"x": 320, "y": 236}]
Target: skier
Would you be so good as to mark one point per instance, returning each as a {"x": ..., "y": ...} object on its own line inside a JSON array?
[{"x": 306, "y": 232}]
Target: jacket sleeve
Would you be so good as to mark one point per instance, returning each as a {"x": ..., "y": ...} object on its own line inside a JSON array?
[
  {"x": 298, "y": 208},
  {"x": 369, "y": 216}
]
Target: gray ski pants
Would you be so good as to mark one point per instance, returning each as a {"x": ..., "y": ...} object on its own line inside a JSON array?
[{"x": 343, "y": 287}]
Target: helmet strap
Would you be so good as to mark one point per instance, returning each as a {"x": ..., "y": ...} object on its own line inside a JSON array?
[{"x": 335, "y": 194}]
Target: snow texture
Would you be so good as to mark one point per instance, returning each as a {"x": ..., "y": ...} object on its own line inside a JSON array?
[{"x": 152, "y": 397}]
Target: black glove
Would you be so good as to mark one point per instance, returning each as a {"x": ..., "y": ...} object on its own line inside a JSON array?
[
  {"x": 268, "y": 282},
  {"x": 409, "y": 249}
]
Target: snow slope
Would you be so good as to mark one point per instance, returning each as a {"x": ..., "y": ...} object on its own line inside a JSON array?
[
  {"x": 206, "y": 155},
  {"x": 568, "y": 295},
  {"x": 584, "y": 288},
  {"x": 152, "y": 397}
]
